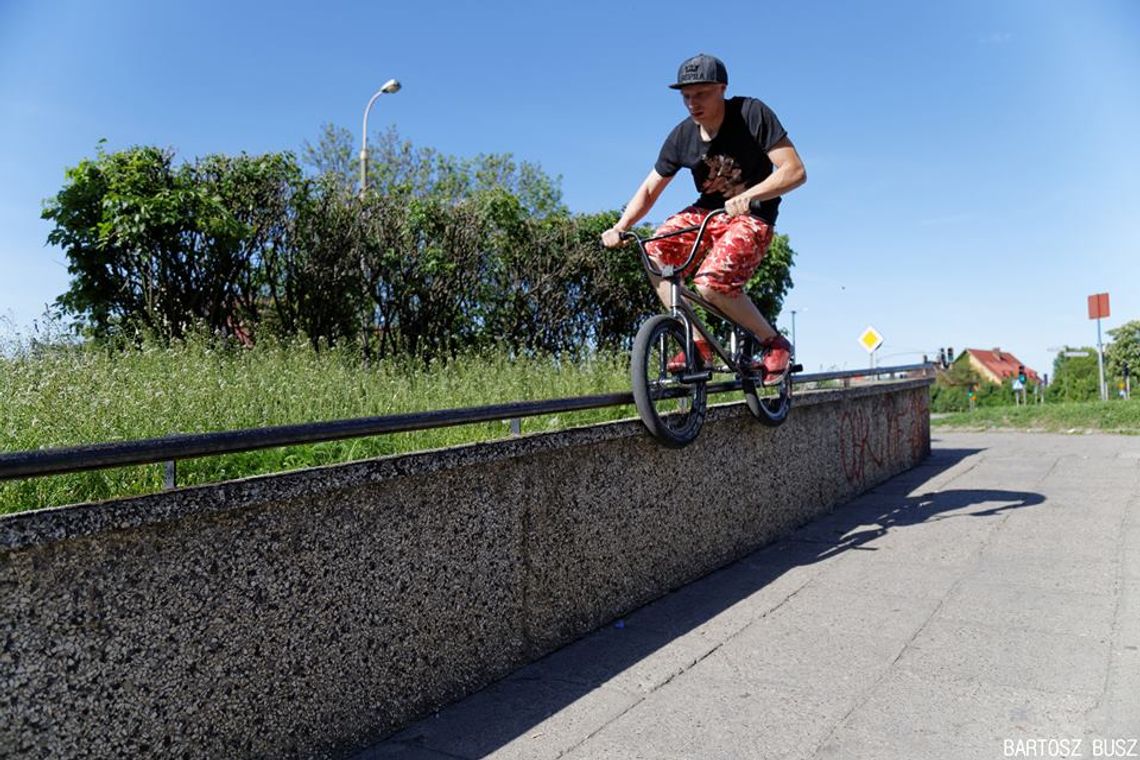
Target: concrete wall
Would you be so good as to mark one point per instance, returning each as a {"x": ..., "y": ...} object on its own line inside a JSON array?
[{"x": 311, "y": 613}]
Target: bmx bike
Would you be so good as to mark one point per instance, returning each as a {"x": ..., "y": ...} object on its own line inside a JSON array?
[{"x": 672, "y": 402}]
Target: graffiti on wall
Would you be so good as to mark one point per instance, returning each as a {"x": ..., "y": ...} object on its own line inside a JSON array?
[{"x": 891, "y": 429}]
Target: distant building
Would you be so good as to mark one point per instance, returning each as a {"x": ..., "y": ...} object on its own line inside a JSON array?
[{"x": 996, "y": 365}]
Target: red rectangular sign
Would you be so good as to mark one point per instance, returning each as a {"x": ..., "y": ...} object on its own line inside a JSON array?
[{"x": 1098, "y": 306}]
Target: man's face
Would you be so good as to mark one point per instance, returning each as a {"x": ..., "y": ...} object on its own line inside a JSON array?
[{"x": 704, "y": 101}]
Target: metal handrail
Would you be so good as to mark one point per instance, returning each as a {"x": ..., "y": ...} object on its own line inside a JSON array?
[{"x": 170, "y": 448}]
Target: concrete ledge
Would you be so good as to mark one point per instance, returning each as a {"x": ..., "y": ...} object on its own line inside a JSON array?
[{"x": 311, "y": 613}]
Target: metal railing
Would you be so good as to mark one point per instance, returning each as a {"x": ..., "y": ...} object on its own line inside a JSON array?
[{"x": 169, "y": 449}]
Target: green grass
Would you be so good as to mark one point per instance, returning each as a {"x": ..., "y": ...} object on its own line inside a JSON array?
[
  {"x": 68, "y": 395},
  {"x": 1115, "y": 416}
]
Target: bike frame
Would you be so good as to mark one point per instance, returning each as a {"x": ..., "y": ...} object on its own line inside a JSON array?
[{"x": 680, "y": 296}]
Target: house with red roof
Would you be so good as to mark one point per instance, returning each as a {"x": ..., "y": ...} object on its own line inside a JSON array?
[{"x": 996, "y": 365}]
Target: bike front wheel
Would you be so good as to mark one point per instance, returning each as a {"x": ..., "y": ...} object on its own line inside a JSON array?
[{"x": 671, "y": 405}]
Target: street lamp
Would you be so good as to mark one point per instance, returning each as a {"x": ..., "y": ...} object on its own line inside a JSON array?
[
  {"x": 794, "y": 328},
  {"x": 390, "y": 86}
]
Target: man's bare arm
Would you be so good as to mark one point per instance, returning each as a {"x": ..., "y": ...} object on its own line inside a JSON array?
[
  {"x": 647, "y": 194},
  {"x": 787, "y": 176}
]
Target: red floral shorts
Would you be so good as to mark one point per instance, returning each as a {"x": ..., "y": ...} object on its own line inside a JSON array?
[{"x": 731, "y": 249}]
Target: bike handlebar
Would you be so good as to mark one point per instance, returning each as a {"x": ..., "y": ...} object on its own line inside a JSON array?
[
  {"x": 648, "y": 262},
  {"x": 630, "y": 235}
]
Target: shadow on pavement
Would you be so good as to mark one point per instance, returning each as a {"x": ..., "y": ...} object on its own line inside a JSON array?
[
  {"x": 618, "y": 655},
  {"x": 914, "y": 510}
]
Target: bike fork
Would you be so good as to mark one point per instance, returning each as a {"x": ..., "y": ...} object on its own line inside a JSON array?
[{"x": 679, "y": 313}]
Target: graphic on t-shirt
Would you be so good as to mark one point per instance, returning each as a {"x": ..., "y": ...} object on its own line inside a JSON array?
[{"x": 725, "y": 176}]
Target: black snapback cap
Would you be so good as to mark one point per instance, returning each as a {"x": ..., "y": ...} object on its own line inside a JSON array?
[{"x": 701, "y": 69}]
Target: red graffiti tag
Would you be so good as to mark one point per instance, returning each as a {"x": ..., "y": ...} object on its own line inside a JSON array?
[
  {"x": 901, "y": 439},
  {"x": 855, "y": 445}
]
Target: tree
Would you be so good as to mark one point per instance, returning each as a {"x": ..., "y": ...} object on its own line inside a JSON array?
[
  {"x": 950, "y": 392},
  {"x": 773, "y": 278},
  {"x": 149, "y": 246},
  {"x": 260, "y": 194},
  {"x": 434, "y": 280},
  {"x": 316, "y": 282},
  {"x": 1125, "y": 348},
  {"x": 455, "y": 252},
  {"x": 1075, "y": 378},
  {"x": 621, "y": 295},
  {"x": 397, "y": 167},
  {"x": 159, "y": 248}
]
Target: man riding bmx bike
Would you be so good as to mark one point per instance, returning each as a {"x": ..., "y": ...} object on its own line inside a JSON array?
[{"x": 741, "y": 160}]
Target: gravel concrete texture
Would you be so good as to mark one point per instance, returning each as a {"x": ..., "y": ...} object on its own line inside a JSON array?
[
  {"x": 310, "y": 614},
  {"x": 985, "y": 604}
]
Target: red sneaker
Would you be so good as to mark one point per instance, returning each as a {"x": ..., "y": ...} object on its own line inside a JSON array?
[
  {"x": 778, "y": 352},
  {"x": 676, "y": 365}
]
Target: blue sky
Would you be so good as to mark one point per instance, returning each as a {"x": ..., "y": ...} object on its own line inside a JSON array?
[{"x": 973, "y": 166}]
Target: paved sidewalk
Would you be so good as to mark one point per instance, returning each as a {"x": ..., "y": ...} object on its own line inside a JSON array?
[{"x": 983, "y": 605}]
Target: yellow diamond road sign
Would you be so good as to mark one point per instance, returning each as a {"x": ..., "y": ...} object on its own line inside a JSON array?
[{"x": 870, "y": 339}]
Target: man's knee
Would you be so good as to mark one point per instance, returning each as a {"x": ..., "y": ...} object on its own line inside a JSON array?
[{"x": 712, "y": 294}]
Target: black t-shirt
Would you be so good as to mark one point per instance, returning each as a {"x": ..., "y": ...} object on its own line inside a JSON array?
[{"x": 735, "y": 160}]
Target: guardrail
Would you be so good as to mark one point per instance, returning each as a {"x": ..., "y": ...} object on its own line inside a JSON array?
[{"x": 169, "y": 449}]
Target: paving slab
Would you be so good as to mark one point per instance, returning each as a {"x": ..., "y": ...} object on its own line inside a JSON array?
[
  {"x": 721, "y": 719},
  {"x": 1009, "y": 656},
  {"x": 539, "y": 718},
  {"x": 982, "y": 599},
  {"x": 909, "y": 710},
  {"x": 985, "y": 604}
]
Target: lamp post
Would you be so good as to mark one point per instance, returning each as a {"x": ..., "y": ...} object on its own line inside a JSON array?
[
  {"x": 390, "y": 86},
  {"x": 794, "y": 344}
]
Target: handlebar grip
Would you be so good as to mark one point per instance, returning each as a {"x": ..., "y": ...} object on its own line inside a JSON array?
[{"x": 754, "y": 206}]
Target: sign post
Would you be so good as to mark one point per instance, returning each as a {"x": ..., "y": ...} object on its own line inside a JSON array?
[
  {"x": 1098, "y": 310},
  {"x": 871, "y": 340}
]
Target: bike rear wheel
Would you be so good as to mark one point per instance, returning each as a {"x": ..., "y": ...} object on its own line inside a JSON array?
[
  {"x": 671, "y": 406},
  {"x": 768, "y": 403}
]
